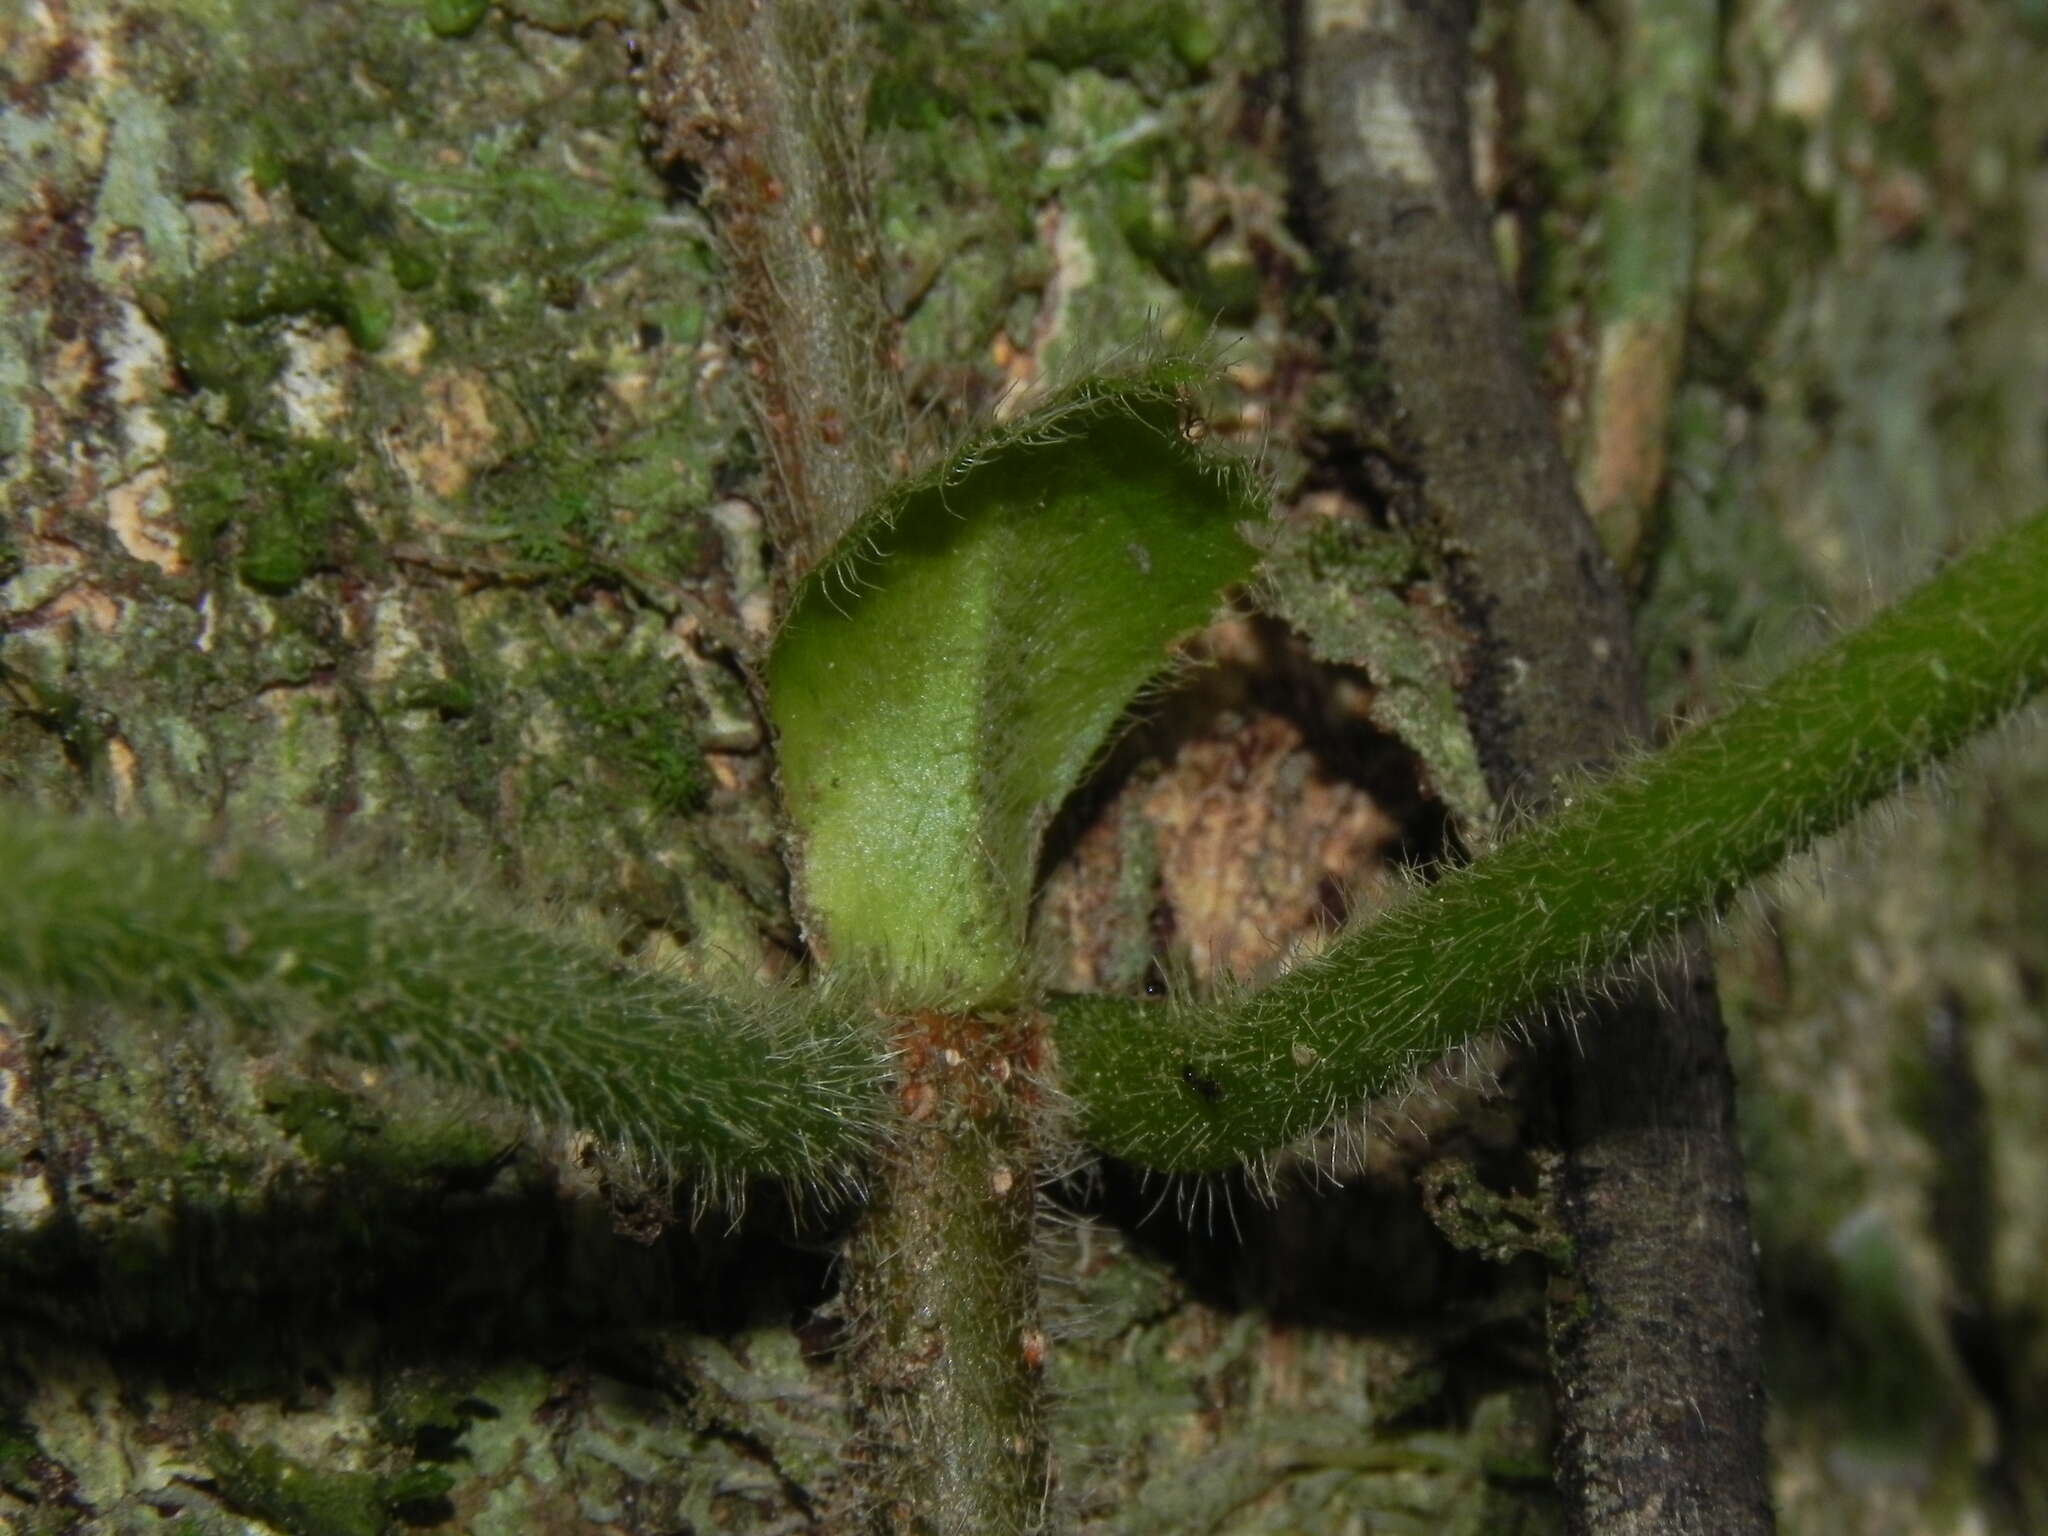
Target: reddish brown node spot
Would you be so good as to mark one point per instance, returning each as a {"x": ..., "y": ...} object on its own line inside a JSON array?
[
  {"x": 832, "y": 427},
  {"x": 771, "y": 190},
  {"x": 968, "y": 1060},
  {"x": 1033, "y": 1345},
  {"x": 920, "y": 1100},
  {"x": 1030, "y": 1054}
]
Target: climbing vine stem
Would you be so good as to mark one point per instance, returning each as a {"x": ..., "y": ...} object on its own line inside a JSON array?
[{"x": 1187, "y": 1086}]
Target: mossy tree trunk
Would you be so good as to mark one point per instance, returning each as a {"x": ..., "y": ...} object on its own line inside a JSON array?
[{"x": 380, "y": 480}]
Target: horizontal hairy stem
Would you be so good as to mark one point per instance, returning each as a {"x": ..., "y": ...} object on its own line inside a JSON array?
[
  {"x": 758, "y": 1083},
  {"x": 1187, "y": 1087}
]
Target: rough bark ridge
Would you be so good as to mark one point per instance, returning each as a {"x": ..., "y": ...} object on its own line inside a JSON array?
[{"x": 1655, "y": 1336}]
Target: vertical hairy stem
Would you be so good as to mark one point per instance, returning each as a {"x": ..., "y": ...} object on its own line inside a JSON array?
[
  {"x": 949, "y": 1354},
  {"x": 765, "y": 101}
]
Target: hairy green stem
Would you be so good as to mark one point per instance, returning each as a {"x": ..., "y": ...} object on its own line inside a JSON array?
[
  {"x": 949, "y": 1354},
  {"x": 765, "y": 101},
  {"x": 688, "y": 1079},
  {"x": 1185, "y": 1087}
]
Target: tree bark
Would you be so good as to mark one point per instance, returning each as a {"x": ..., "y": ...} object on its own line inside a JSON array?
[
  {"x": 377, "y": 481},
  {"x": 1655, "y": 1332}
]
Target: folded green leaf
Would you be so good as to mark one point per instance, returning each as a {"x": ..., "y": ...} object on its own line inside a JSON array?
[
  {"x": 1184, "y": 1087},
  {"x": 943, "y": 682}
]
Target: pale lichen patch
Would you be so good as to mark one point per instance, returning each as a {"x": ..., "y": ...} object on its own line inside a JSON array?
[
  {"x": 217, "y": 229},
  {"x": 407, "y": 350},
  {"x": 137, "y": 366},
  {"x": 730, "y": 723},
  {"x": 457, "y": 434},
  {"x": 1390, "y": 134},
  {"x": 93, "y": 1422},
  {"x": 142, "y": 516},
  {"x": 740, "y": 523},
  {"x": 1805, "y": 81},
  {"x": 121, "y": 774},
  {"x": 396, "y": 648},
  {"x": 26, "y": 1198},
  {"x": 631, "y": 387},
  {"x": 313, "y": 384},
  {"x": 132, "y": 190},
  {"x": 329, "y": 1433},
  {"x": 543, "y": 733},
  {"x": 89, "y": 605}
]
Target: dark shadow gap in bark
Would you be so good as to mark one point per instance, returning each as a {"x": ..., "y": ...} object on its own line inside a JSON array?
[
  {"x": 1282, "y": 679},
  {"x": 452, "y": 1276}
]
